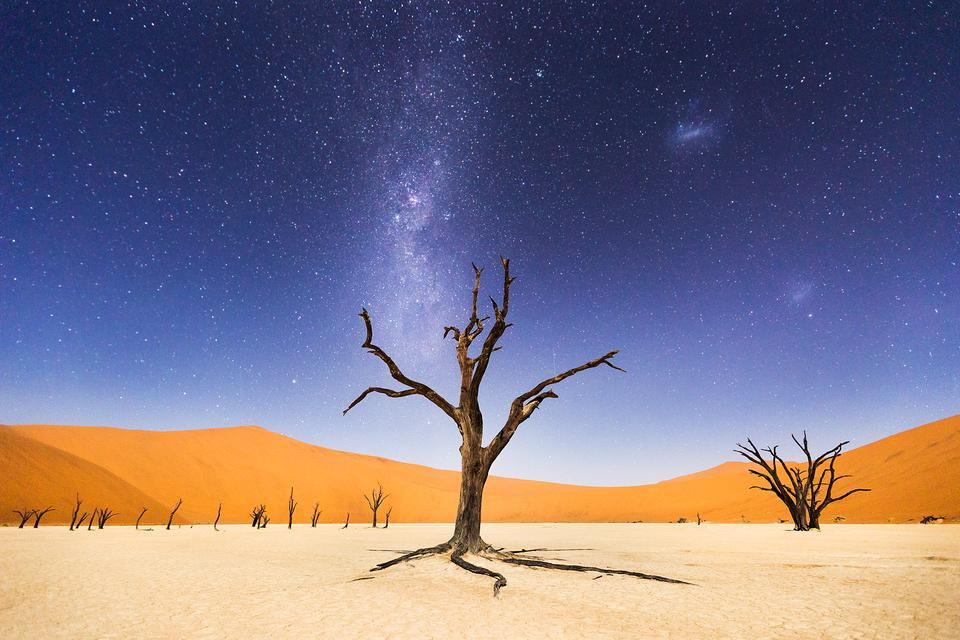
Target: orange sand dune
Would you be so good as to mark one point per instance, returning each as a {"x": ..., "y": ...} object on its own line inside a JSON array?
[{"x": 912, "y": 473}]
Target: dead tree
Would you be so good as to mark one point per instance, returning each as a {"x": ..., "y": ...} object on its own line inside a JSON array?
[
  {"x": 217, "y": 521},
  {"x": 170, "y": 519},
  {"x": 39, "y": 514},
  {"x": 698, "y": 518},
  {"x": 83, "y": 517},
  {"x": 475, "y": 458},
  {"x": 347, "y": 523},
  {"x": 264, "y": 521},
  {"x": 105, "y": 514},
  {"x": 374, "y": 500},
  {"x": 140, "y": 517},
  {"x": 257, "y": 515},
  {"x": 291, "y": 507},
  {"x": 932, "y": 519},
  {"x": 73, "y": 516},
  {"x": 316, "y": 514},
  {"x": 387, "y": 523},
  {"x": 805, "y": 489},
  {"x": 25, "y": 515},
  {"x": 92, "y": 516}
]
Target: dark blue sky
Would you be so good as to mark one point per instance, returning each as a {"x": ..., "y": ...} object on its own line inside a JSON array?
[{"x": 758, "y": 205}]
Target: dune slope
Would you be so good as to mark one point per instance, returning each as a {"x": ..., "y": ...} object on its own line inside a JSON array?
[{"x": 911, "y": 474}]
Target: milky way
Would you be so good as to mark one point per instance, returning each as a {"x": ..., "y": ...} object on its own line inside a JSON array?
[{"x": 758, "y": 207}]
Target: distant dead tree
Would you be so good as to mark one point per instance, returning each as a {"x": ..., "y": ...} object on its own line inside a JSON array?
[
  {"x": 316, "y": 514},
  {"x": 25, "y": 515},
  {"x": 39, "y": 514},
  {"x": 839, "y": 519},
  {"x": 140, "y": 517},
  {"x": 805, "y": 490},
  {"x": 170, "y": 519},
  {"x": 374, "y": 500},
  {"x": 92, "y": 516},
  {"x": 80, "y": 521},
  {"x": 264, "y": 521},
  {"x": 73, "y": 515},
  {"x": 217, "y": 521},
  {"x": 256, "y": 516},
  {"x": 347, "y": 523},
  {"x": 475, "y": 458},
  {"x": 698, "y": 518},
  {"x": 105, "y": 514},
  {"x": 681, "y": 521},
  {"x": 932, "y": 519},
  {"x": 387, "y": 523},
  {"x": 291, "y": 507}
]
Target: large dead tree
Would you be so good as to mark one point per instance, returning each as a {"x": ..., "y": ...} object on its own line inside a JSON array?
[
  {"x": 805, "y": 489},
  {"x": 25, "y": 515},
  {"x": 374, "y": 500},
  {"x": 475, "y": 457},
  {"x": 291, "y": 507},
  {"x": 39, "y": 514},
  {"x": 172, "y": 513},
  {"x": 73, "y": 515}
]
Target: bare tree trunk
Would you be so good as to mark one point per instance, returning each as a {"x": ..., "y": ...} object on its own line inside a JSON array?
[
  {"x": 73, "y": 516},
  {"x": 170, "y": 519},
  {"x": 143, "y": 511},
  {"x": 466, "y": 531},
  {"x": 92, "y": 516},
  {"x": 347, "y": 523},
  {"x": 316, "y": 514},
  {"x": 291, "y": 507},
  {"x": 40, "y": 514},
  {"x": 698, "y": 518},
  {"x": 217, "y": 521},
  {"x": 25, "y": 515},
  {"x": 387, "y": 523}
]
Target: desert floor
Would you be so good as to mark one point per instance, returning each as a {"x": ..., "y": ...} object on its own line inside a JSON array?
[{"x": 848, "y": 581}]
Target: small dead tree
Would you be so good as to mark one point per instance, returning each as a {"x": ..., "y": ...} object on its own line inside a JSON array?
[
  {"x": 347, "y": 523},
  {"x": 466, "y": 414},
  {"x": 105, "y": 515},
  {"x": 80, "y": 521},
  {"x": 140, "y": 517},
  {"x": 316, "y": 514},
  {"x": 256, "y": 516},
  {"x": 73, "y": 515},
  {"x": 92, "y": 517},
  {"x": 291, "y": 507},
  {"x": 932, "y": 519},
  {"x": 806, "y": 489},
  {"x": 387, "y": 523},
  {"x": 170, "y": 519},
  {"x": 25, "y": 515},
  {"x": 374, "y": 500},
  {"x": 264, "y": 521},
  {"x": 39, "y": 514},
  {"x": 698, "y": 518},
  {"x": 217, "y": 521}
]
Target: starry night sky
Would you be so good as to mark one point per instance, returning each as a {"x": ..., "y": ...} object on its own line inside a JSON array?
[{"x": 757, "y": 205}]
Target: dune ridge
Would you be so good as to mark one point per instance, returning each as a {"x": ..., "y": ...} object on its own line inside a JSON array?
[{"x": 911, "y": 473}]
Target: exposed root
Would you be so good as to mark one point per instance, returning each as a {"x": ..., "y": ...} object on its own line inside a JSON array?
[
  {"x": 413, "y": 555},
  {"x": 499, "y": 580},
  {"x": 543, "y": 549},
  {"x": 543, "y": 564},
  {"x": 512, "y": 557}
]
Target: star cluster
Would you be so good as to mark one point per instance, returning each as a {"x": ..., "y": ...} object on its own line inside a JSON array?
[{"x": 758, "y": 205}]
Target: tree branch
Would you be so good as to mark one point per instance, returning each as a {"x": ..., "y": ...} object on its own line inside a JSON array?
[
  {"x": 415, "y": 386},
  {"x": 386, "y": 392}
]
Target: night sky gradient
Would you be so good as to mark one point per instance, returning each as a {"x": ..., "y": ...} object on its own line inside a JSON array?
[{"x": 758, "y": 205}]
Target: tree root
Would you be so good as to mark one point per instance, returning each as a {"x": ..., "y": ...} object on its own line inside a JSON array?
[
  {"x": 413, "y": 555},
  {"x": 499, "y": 580},
  {"x": 491, "y": 553}
]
